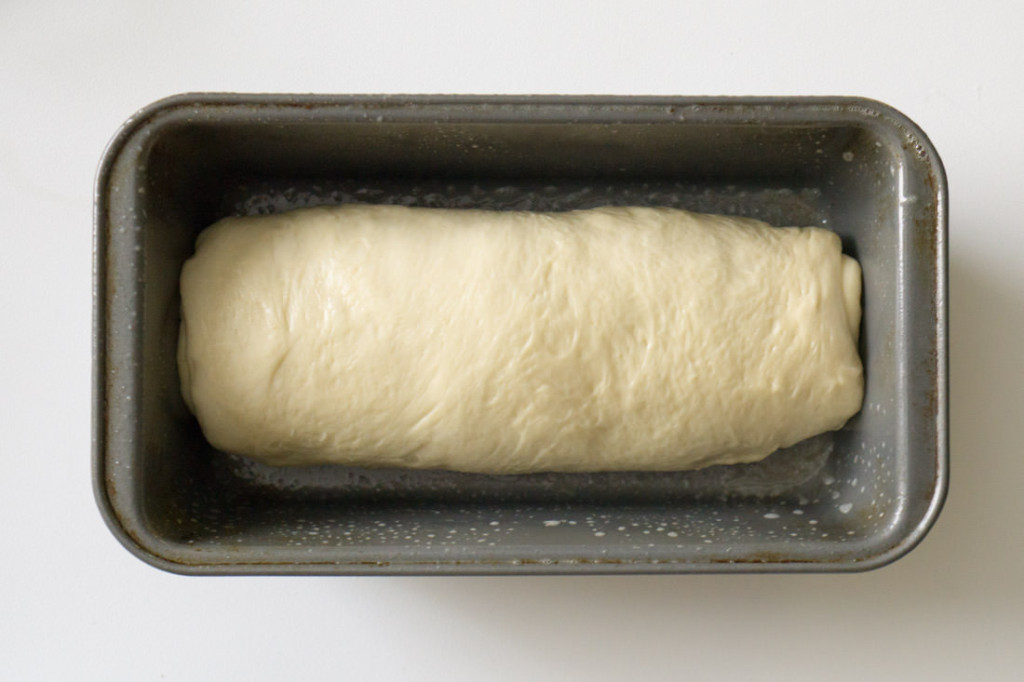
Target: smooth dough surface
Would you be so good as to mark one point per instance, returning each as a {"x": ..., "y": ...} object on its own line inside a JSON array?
[{"x": 511, "y": 342}]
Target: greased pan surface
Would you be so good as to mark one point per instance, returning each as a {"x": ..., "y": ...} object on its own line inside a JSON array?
[{"x": 850, "y": 500}]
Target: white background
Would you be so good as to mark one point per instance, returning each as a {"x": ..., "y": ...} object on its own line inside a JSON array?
[{"x": 74, "y": 605}]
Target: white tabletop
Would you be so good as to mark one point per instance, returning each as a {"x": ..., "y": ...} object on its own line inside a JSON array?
[{"x": 76, "y": 606}]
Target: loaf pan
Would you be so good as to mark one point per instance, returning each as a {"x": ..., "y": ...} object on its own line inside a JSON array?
[{"x": 849, "y": 500}]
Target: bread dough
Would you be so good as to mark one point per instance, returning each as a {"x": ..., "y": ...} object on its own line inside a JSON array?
[{"x": 511, "y": 342}]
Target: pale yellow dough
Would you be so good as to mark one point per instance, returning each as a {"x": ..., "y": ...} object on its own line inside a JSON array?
[{"x": 501, "y": 342}]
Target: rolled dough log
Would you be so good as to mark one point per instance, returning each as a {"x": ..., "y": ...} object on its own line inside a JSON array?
[{"x": 511, "y": 342}]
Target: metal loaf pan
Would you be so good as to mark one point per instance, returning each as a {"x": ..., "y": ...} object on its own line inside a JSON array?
[{"x": 850, "y": 500}]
